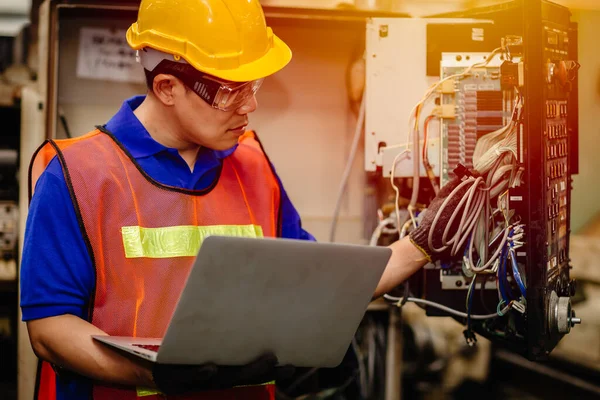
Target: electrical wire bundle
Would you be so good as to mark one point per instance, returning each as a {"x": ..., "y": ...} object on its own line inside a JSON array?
[
  {"x": 413, "y": 130},
  {"x": 480, "y": 233}
]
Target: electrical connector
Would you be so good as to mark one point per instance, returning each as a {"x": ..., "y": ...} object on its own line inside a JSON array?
[
  {"x": 470, "y": 337},
  {"x": 519, "y": 307},
  {"x": 445, "y": 111},
  {"x": 448, "y": 87}
]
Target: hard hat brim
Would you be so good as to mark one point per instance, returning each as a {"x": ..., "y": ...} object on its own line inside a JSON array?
[{"x": 273, "y": 61}]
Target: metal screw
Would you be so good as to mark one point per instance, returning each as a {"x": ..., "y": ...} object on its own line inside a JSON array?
[{"x": 383, "y": 31}]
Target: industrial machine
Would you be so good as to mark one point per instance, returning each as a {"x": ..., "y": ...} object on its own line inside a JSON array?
[{"x": 488, "y": 96}]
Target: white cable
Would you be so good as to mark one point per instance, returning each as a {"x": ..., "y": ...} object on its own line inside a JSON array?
[
  {"x": 414, "y": 129},
  {"x": 355, "y": 141},
  {"x": 469, "y": 214},
  {"x": 405, "y": 228},
  {"x": 475, "y": 210},
  {"x": 416, "y": 176},
  {"x": 379, "y": 230},
  {"x": 397, "y": 198},
  {"x": 492, "y": 259},
  {"x": 436, "y": 85},
  {"x": 467, "y": 220},
  {"x": 447, "y": 309}
]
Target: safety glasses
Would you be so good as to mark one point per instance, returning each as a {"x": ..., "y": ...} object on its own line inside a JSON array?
[
  {"x": 224, "y": 96},
  {"x": 232, "y": 96}
]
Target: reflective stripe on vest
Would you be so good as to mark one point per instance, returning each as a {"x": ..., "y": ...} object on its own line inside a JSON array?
[
  {"x": 143, "y": 236},
  {"x": 144, "y": 392},
  {"x": 177, "y": 241}
]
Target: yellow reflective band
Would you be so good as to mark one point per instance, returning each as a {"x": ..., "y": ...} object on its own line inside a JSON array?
[
  {"x": 143, "y": 392},
  {"x": 178, "y": 241},
  {"x": 260, "y": 384}
]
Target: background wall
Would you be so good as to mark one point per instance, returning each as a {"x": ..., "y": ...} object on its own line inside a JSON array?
[
  {"x": 586, "y": 193},
  {"x": 307, "y": 127}
]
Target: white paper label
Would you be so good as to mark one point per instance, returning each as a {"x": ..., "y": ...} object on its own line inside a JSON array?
[
  {"x": 105, "y": 55},
  {"x": 477, "y": 35},
  {"x": 487, "y": 86}
]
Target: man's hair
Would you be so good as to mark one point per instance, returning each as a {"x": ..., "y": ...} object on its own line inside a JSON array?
[{"x": 150, "y": 75}]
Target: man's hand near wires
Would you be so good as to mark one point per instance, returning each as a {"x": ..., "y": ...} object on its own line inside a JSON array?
[
  {"x": 443, "y": 233},
  {"x": 431, "y": 240},
  {"x": 438, "y": 234}
]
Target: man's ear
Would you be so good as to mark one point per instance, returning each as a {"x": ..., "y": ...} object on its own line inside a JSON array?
[{"x": 166, "y": 87}]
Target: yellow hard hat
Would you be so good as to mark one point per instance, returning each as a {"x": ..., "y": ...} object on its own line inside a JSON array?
[{"x": 228, "y": 39}]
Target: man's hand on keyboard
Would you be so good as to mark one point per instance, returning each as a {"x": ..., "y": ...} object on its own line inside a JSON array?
[{"x": 179, "y": 379}]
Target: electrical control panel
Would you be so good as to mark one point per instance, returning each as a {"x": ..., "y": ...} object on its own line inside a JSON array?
[
  {"x": 502, "y": 116},
  {"x": 479, "y": 106},
  {"x": 396, "y": 80},
  {"x": 542, "y": 35},
  {"x": 559, "y": 79}
]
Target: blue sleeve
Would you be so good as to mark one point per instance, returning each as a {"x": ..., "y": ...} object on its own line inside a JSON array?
[
  {"x": 57, "y": 275},
  {"x": 291, "y": 224}
]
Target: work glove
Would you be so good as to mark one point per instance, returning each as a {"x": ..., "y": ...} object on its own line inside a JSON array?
[
  {"x": 181, "y": 379},
  {"x": 420, "y": 235}
]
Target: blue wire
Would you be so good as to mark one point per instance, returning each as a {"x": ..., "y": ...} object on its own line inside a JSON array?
[
  {"x": 502, "y": 283},
  {"x": 516, "y": 273},
  {"x": 502, "y": 272}
]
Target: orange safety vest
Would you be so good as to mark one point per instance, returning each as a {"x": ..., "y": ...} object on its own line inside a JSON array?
[{"x": 143, "y": 236}]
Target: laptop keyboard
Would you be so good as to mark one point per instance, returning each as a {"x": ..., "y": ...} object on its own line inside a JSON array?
[{"x": 151, "y": 347}]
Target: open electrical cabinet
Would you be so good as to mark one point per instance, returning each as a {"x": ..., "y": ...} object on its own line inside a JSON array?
[{"x": 504, "y": 80}]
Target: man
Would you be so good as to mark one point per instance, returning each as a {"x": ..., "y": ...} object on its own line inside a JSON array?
[{"x": 117, "y": 215}]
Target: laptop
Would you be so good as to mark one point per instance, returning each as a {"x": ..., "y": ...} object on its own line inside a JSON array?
[{"x": 301, "y": 300}]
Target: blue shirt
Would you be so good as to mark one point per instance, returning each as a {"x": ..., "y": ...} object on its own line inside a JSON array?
[{"x": 57, "y": 275}]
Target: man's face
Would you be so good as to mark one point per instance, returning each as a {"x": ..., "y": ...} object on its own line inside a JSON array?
[{"x": 207, "y": 126}]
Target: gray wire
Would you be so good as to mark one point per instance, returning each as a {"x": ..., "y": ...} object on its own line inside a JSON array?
[
  {"x": 355, "y": 141},
  {"x": 379, "y": 230},
  {"x": 447, "y": 309},
  {"x": 416, "y": 170},
  {"x": 467, "y": 213},
  {"x": 492, "y": 259}
]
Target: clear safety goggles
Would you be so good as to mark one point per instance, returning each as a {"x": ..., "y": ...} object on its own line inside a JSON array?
[
  {"x": 225, "y": 96},
  {"x": 222, "y": 95}
]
